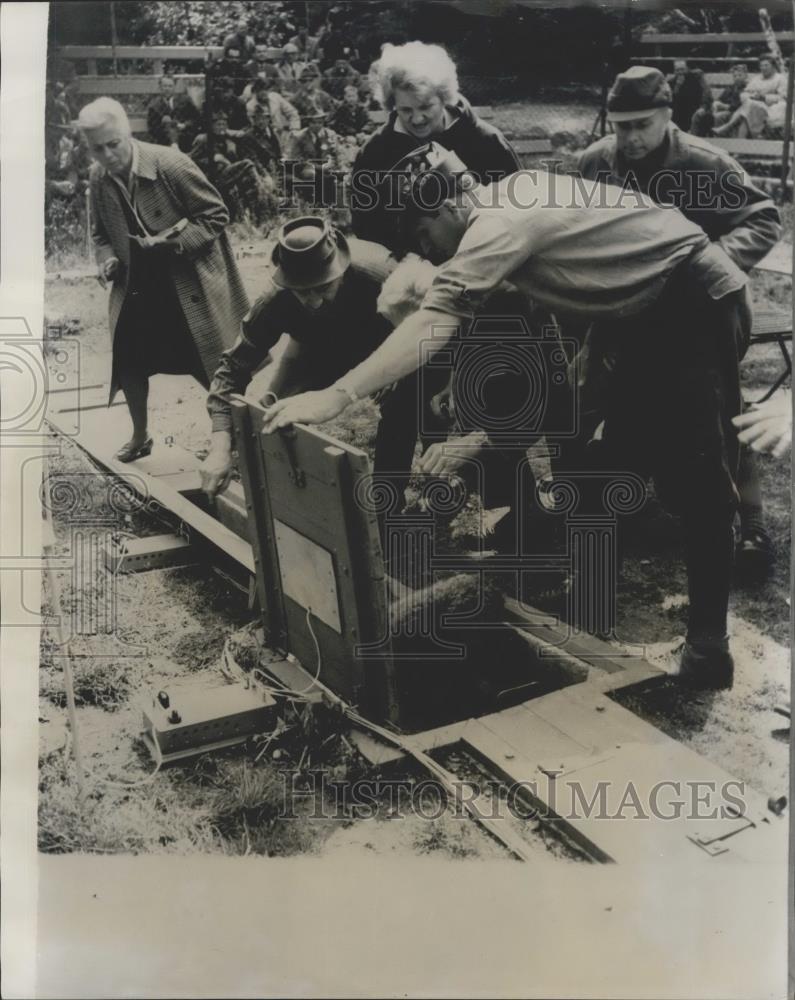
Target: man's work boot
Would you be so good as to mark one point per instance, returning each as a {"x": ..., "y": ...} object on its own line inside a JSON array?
[{"x": 707, "y": 665}]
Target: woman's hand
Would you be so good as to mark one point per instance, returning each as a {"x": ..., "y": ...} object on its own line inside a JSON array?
[
  {"x": 108, "y": 271},
  {"x": 306, "y": 408}
]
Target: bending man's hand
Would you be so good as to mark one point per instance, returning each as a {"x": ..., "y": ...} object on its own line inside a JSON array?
[
  {"x": 768, "y": 426},
  {"x": 216, "y": 471},
  {"x": 446, "y": 458},
  {"x": 306, "y": 408}
]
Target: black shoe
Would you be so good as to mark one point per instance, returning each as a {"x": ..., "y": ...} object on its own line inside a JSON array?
[
  {"x": 754, "y": 555},
  {"x": 707, "y": 667},
  {"x": 130, "y": 452}
]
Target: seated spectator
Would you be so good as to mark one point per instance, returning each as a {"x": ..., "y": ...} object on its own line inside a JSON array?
[
  {"x": 66, "y": 162},
  {"x": 285, "y": 120},
  {"x": 310, "y": 98},
  {"x": 767, "y": 82},
  {"x": 350, "y": 117},
  {"x": 282, "y": 30},
  {"x": 306, "y": 44},
  {"x": 763, "y": 91},
  {"x": 229, "y": 67},
  {"x": 777, "y": 110},
  {"x": 240, "y": 39},
  {"x": 172, "y": 119},
  {"x": 259, "y": 142},
  {"x": 235, "y": 176},
  {"x": 335, "y": 41},
  {"x": 339, "y": 76},
  {"x": 315, "y": 155},
  {"x": 690, "y": 93},
  {"x": 290, "y": 68},
  {"x": 56, "y": 109},
  {"x": 222, "y": 98},
  {"x": 261, "y": 67},
  {"x": 732, "y": 95},
  {"x": 704, "y": 121}
]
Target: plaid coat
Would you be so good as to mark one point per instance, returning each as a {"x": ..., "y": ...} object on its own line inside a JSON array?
[{"x": 207, "y": 282}]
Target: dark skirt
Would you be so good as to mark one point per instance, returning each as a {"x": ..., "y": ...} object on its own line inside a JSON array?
[{"x": 152, "y": 335}]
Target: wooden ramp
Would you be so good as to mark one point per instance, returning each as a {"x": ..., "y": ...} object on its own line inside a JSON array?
[{"x": 169, "y": 476}]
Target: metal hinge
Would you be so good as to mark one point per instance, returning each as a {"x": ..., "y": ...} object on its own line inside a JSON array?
[{"x": 715, "y": 842}]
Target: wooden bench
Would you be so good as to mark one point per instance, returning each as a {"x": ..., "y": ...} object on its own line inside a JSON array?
[
  {"x": 110, "y": 86},
  {"x": 662, "y": 40},
  {"x": 774, "y": 326},
  {"x": 759, "y": 148},
  {"x": 380, "y": 115},
  {"x": 531, "y": 147}
]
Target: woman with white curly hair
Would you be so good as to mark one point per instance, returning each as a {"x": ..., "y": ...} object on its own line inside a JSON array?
[{"x": 418, "y": 85}]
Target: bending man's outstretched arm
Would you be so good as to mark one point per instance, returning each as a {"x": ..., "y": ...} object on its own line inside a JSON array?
[{"x": 405, "y": 349}]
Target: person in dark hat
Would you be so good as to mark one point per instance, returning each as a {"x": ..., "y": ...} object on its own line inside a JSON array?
[
  {"x": 322, "y": 293},
  {"x": 315, "y": 155},
  {"x": 649, "y": 152},
  {"x": 677, "y": 307}
]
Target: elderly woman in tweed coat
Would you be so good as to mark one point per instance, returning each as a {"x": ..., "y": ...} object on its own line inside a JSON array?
[{"x": 158, "y": 233}]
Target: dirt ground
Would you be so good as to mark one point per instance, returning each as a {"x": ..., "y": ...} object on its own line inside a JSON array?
[{"x": 172, "y": 624}]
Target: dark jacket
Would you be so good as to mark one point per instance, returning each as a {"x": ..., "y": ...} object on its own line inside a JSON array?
[
  {"x": 182, "y": 111},
  {"x": 705, "y": 184},
  {"x": 349, "y": 121},
  {"x": 482, "y": 147},
  {"x": 688, "y": 96},
  {"x": 331, "y": 342}
]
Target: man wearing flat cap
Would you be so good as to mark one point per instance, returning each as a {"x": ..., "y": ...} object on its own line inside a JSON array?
[
  {"x": 322, "y": 293},
  {"x": 650, "y": 153},
  {"x": 675, "y": 303}
]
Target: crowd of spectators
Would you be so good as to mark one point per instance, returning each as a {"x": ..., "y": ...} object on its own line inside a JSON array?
[
  {"x": 279, "y": 104},
  {"x": 750, "y": 107}
]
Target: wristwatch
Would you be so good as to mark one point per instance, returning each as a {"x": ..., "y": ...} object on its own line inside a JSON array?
[{"x": 349, "y": 391}]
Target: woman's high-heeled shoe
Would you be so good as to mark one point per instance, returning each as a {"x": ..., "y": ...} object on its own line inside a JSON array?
[{"x": 130, "y": 452}]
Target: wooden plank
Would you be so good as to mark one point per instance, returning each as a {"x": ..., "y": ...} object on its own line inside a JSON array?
[
  {"x": 594, "y": 653},
  {"x": 525, "y": 146},
  {"x": 94, "y": 436},
  {"x": 136, "y": 555},
  {"x": 749, "y": 147},
  {"x": 112, "y": 85},
  {"x": 727, "y": 61},
  {"x": 172, "y": 53},
  {"x": 713, "y": 38},
  {"x": 598, "y": 750}
]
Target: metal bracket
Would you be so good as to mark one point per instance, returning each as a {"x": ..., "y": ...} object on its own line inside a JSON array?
[
  {"x": 715, "y": 844},
  {"x": 297, "y": 475}
]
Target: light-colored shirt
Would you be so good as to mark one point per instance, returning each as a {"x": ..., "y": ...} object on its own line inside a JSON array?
[{"x": 575, "y": 246}]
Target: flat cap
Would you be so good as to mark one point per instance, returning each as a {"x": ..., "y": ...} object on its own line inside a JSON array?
[{"x": 637, "y": 93}]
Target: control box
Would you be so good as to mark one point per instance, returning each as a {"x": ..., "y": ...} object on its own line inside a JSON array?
[{"x": 194, "y": 717}]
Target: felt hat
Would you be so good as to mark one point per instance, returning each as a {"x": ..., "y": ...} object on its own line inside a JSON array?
[
  {"x": 309, "y": 252},
  {"x": 637, "y": 93}
]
